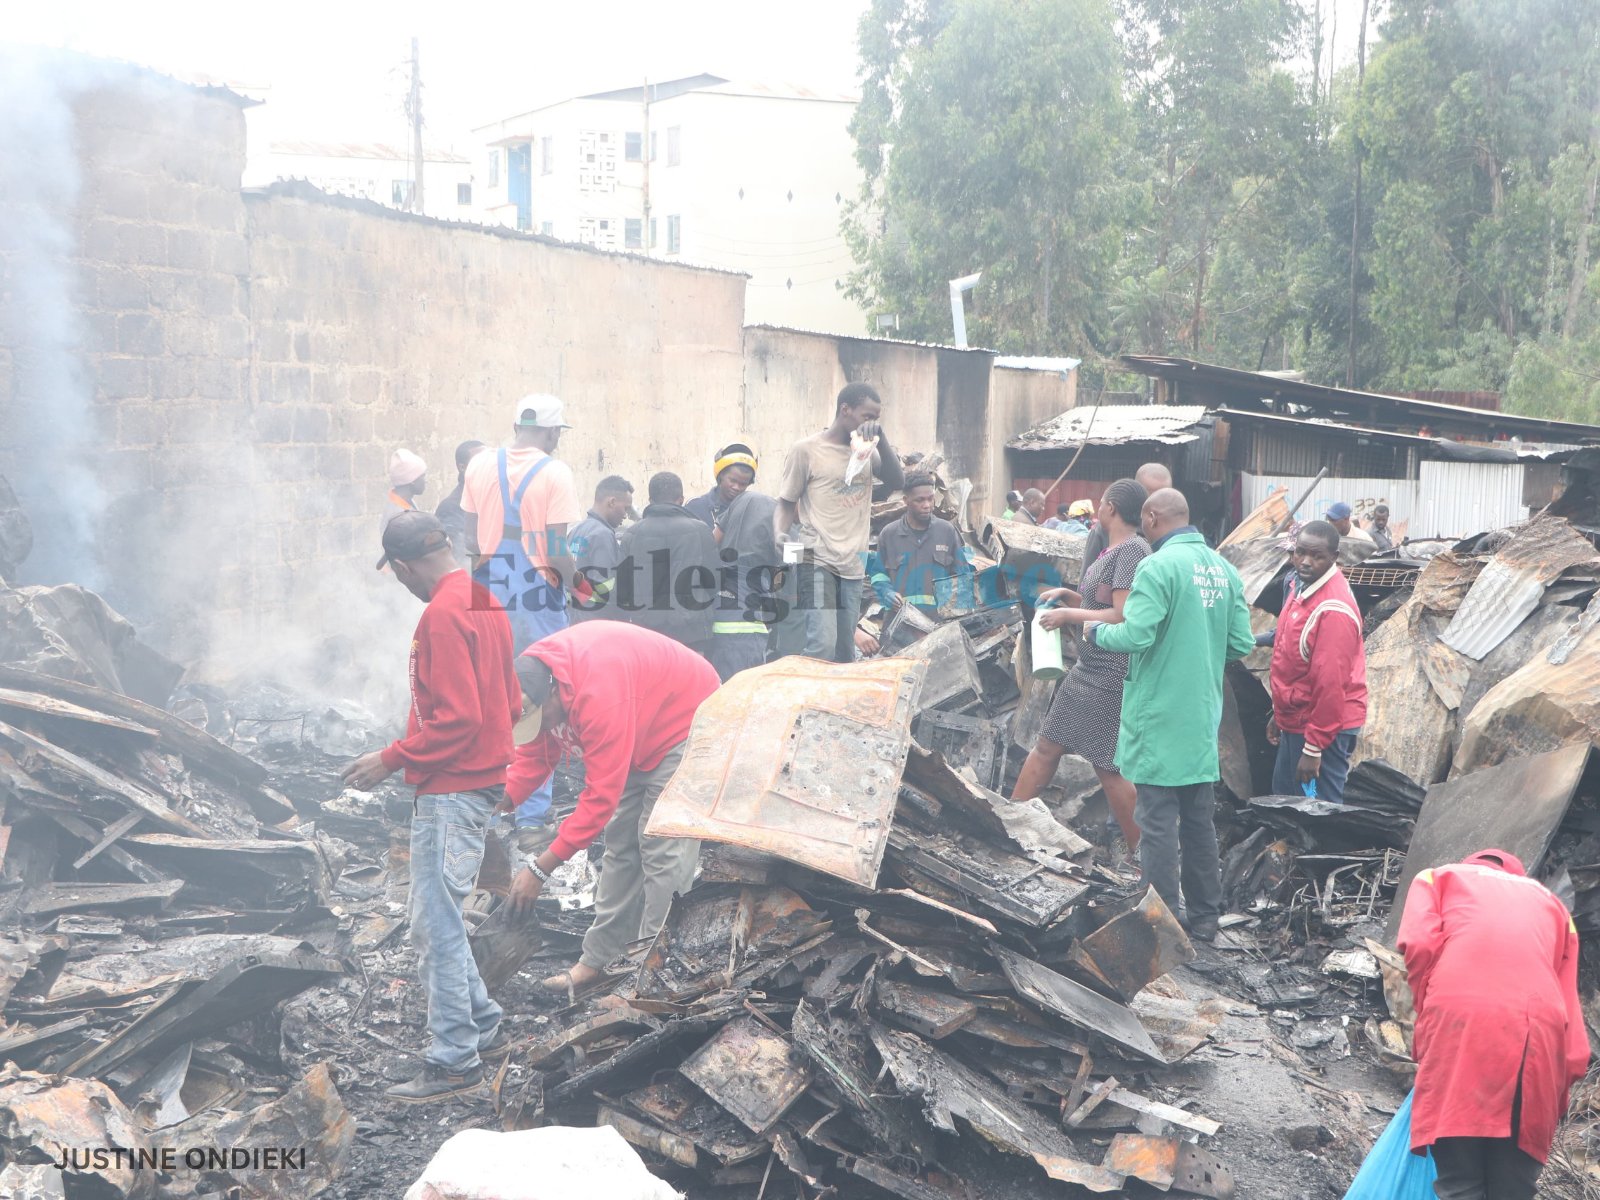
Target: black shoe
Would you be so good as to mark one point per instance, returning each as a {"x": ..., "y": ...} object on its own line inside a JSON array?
[
  {"x": 436, "y": 1083},
  {"x": 1203, "y": 931},
  {"x": 499, "y": 1046}
]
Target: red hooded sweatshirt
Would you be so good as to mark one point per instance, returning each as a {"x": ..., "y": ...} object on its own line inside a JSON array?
[
  {"x": 630, "y": 695},
  {"x": 1492, "y": 958},
  {"x": 464, "y": 694},
  {"x": 1319, "y": 665}
]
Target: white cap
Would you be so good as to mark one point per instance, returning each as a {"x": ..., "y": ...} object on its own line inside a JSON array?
[
  {"x": 405, "y": 467},
  {"x": 545, "y": 411}
]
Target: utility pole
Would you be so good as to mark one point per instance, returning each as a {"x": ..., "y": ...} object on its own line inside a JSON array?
[
  {"x": 644, "y": 154},
  {"x": 1355, "y": 217},
  {"x": 414, "y": 111}
]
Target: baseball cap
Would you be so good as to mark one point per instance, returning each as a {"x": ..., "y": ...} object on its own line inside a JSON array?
[
  {"x": 412, "y": 535},
  {"x": 539, "y": 409},
  {"x": 536, "y": 680},
  {"x": 1338, "y": 511}
]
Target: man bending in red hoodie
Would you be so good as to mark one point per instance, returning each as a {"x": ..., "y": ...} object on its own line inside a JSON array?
[
  {"x": 1319, "y": 671},
  {"x": 625, "y": 696},
  {"x": 464, "y": 699}
]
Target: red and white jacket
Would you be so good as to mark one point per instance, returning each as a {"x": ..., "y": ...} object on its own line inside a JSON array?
[{"x": 1319, "y": 665}]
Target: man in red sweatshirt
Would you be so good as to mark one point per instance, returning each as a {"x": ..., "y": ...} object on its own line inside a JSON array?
[
  {"x": 464, "y": 700},
  {"x": 625, "y": 696},
  {"x": 1492, "y": 959},
  {"x": 1319, "y": 671}
]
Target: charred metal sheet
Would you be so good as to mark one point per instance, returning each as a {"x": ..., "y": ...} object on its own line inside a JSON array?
[
  {"x": 895, "y": 1183},
  {"x": 95, "y": 779},
  {"x": 1171, "y": 1114},
  {"x": 504, "y": 942},
  {"x": 799, "y": 759},
  {"x": 1168, "y": 1163},
  {"x": 1007, "y": 885},
  {"x": 922, "y": 1010},
  {"x": 716, "y": 934},
  {"x": 1026, "y": 824},
  {"x": 1152, "y": 1159},
  {"x": 55, "y": 1117},
  {"x": 952, "y": 678},
  {"x": 234, "y": 994},
  {"x": 1077, "y": 1004},
  {"x": 255, "y": 872},
  {"x": 621, "y": 1022},
  {"x": 975, "y": 744},
  {"x": 1202, "y": 1174},
  {"x": 838, "y": 1049},
  {"x": 111, "y": 977},
  {"x": 310, "y": 1116},
  {"x": 1331, "y": 825},
  {"x": 1136, "y": 946},
  {"x": 1471, "y": 813},
  {"x": 676, "y": 1106},
  {"x": 950, "y": 1089},
  {"x": 1513, "y": 583},
  {"x": 72, "y": 897},
  {"x": 1568, "y": 641},
  {"x": 668, "y": 1145},
  {"x": 751, "y": 1071}
]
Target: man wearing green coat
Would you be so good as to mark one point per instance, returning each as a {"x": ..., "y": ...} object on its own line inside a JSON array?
[{"x": 1184, "y": 620}]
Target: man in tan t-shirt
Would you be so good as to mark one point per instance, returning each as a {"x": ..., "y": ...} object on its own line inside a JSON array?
[{"x": 835, "y": 518}]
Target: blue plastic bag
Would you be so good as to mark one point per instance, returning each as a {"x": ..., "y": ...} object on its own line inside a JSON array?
[{"x": 1391, "y": 1171}]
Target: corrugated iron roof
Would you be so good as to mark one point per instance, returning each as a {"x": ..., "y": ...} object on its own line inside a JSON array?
[
  {"x": 1273, "y": 419},
  {"x": 373, "y": 150},
  {"x": 1113, "y": 425},
  {"x": 863, "y": 337},
  {"x": 1513, "y": 582},
  {"x": 1035, "y": 362}
]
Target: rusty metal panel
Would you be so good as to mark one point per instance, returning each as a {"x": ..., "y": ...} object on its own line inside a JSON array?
[
  {"x": 1136, "y": 946},
  {"x": 800, "y": 759},
  {"x": 1512, "y": 584},
  {"x": 751, "y": 1071},
  {"x": 1516, "y": 806}
]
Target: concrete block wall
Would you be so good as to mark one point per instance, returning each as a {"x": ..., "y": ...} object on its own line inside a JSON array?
[{"x": 255, "y": 358}]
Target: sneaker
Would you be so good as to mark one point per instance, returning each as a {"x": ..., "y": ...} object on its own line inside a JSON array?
[
  {"x": 436, "y": 1083},
  {"x": 499, "y": 1046}
]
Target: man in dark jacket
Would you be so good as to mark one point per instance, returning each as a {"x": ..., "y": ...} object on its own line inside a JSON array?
[
  {"x": 735, "y": 470},
  {"x": 668, "y": 577},
  {"x": 597, "y": 549},
  {"x": 449, "y": 510},
  {"x": 749, "y": 601}
]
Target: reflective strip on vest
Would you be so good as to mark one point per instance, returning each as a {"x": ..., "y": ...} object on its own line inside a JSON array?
[{"x": 739, "y": 627}]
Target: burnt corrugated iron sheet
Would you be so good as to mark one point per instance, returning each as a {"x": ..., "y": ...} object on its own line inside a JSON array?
[
  {"x": 1513, "y": 582},
  {"x": 1114, "y": 425}
]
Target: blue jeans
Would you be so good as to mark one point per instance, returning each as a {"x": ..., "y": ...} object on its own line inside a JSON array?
[
  {"x": 447, "y": 834},
  {"x": 835, "y": 607},
  {"x": 1330, "y": 779}
]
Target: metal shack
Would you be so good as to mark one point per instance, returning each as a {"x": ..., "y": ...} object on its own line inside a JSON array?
[{"x": 1231, "y": 437}]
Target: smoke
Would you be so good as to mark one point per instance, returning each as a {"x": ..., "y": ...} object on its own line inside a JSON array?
[{"x": 48, "y": 401}]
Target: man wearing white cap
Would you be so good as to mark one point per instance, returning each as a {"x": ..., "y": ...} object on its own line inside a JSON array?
[
  {"x": 519, "y": 503},
  {"x": 408, "y": 479}
]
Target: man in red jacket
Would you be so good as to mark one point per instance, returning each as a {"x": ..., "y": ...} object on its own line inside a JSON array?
[
  {"x": 464, "y": 699},
  {"x": 1319, "y": 671},
  {"x": 1492, "y": 958},
  {"x": 625, "y": 696}
]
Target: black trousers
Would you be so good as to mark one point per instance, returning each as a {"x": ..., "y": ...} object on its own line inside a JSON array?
[{"x": 1484, "y": 1169}]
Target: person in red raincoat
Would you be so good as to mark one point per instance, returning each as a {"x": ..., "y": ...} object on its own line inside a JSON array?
[{"x": 1492, "y": 958}]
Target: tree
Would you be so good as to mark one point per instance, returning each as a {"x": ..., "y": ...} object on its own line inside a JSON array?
[{"x": 988, "y": 134}]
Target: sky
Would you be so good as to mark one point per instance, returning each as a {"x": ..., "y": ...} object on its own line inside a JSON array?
[{"x": 335, "y": 70}]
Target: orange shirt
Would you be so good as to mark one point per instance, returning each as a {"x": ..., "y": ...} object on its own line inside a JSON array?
[{"x": 551, "y": 499}]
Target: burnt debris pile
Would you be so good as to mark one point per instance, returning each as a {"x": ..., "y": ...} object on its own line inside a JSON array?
[{"x": 158, "y": 900}]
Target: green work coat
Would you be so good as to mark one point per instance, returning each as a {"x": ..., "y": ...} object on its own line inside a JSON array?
[{"x": 1184, "y": 620}]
